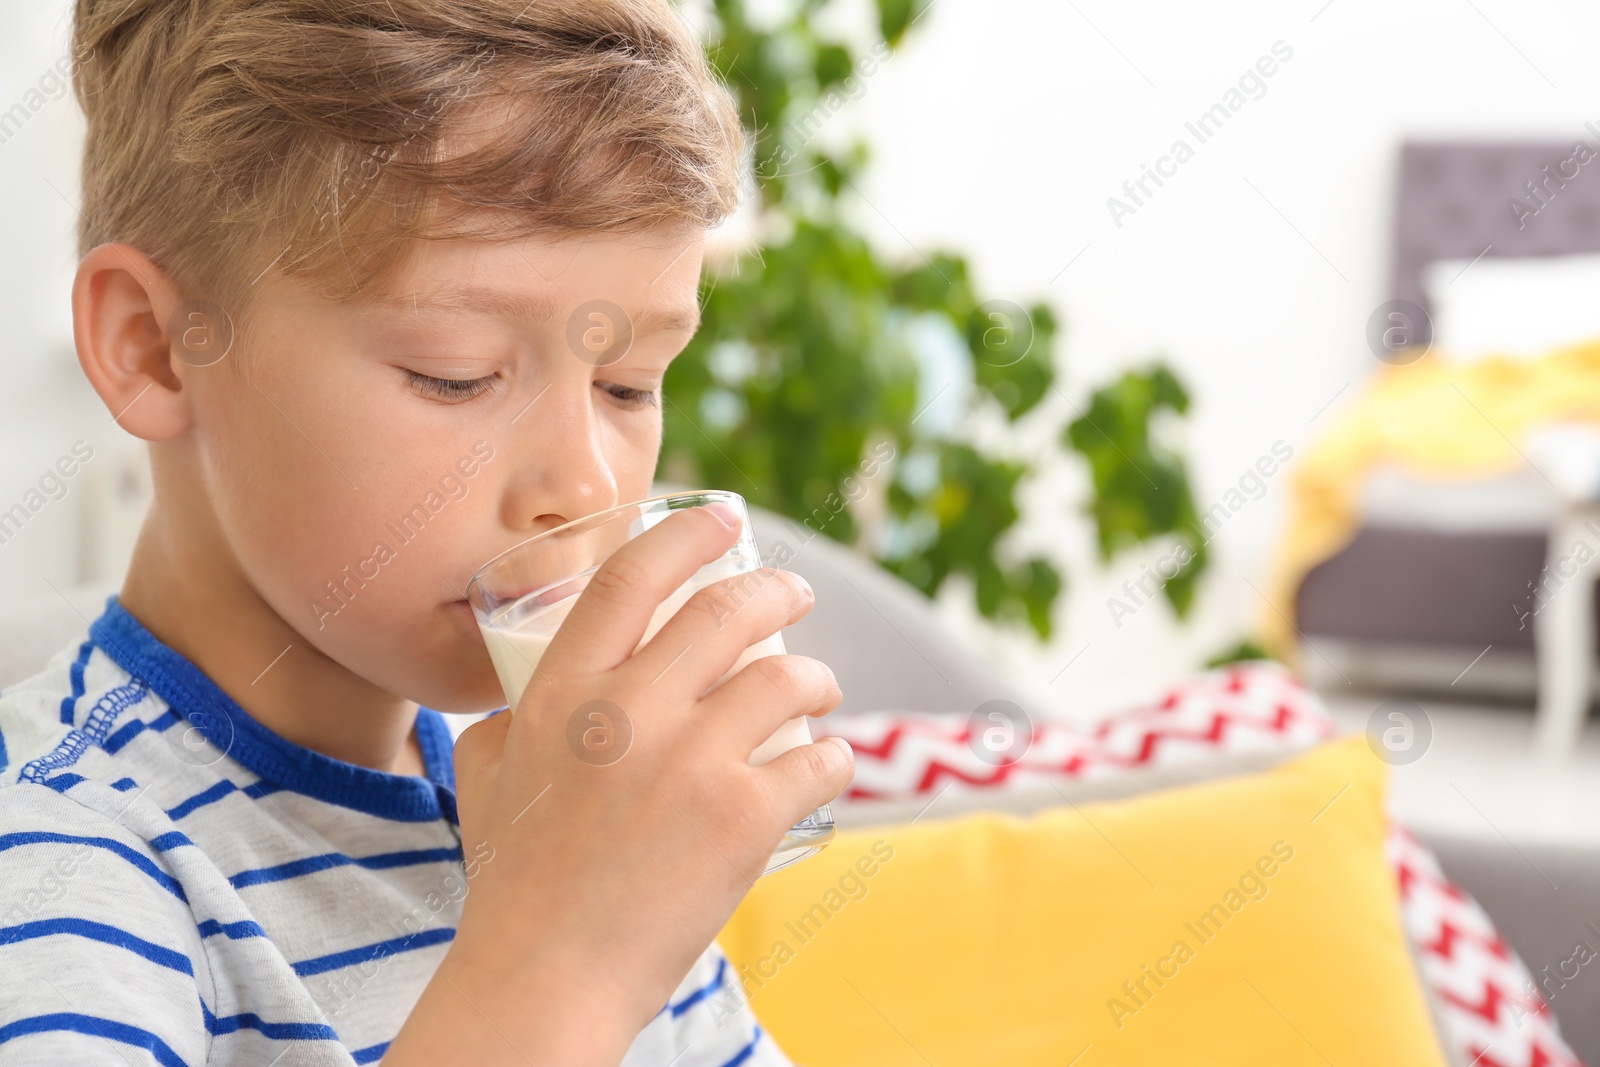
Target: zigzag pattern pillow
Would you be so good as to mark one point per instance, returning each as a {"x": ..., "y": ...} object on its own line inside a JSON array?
[{"x": 1474, "y": 977}]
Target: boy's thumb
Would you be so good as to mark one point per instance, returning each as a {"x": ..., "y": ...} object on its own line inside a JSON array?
[{"x": 477, "y": 762}]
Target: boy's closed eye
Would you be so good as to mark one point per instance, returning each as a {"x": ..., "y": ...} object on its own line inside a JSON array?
[
  {"x": 452, "y": 390},
  {"x": 460, "y": 390}
]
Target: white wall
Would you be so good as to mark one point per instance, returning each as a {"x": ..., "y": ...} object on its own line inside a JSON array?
[
  {"x": 45, "y": 403},
  {"x": 1001, "y": 130}
]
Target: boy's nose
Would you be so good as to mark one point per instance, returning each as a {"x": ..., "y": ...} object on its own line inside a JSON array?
[{"x": 560, "y": 467}]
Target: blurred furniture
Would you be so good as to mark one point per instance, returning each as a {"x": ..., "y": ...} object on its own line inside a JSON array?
[
  {"x": 1435, "y": 580},
  {"x": 1565, "y": 633}
]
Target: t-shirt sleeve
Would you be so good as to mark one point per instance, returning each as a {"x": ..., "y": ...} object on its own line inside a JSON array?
[{"x": 102, "y": 959}]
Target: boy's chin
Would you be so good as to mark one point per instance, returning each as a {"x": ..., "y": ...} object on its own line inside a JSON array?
[{"x": 476, "y": 701}]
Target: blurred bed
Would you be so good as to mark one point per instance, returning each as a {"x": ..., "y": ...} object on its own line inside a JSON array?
[{"x": 1498, "y": 243}]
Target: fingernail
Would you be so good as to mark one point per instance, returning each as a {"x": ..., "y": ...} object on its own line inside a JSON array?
[
  {"x": 801, "y": 584},
  {"x": 842, "y": 743},
  {"x": 725, "y": 512}
]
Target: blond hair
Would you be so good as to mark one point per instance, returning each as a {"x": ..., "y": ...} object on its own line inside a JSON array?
[{"x": 314, "y": 137}]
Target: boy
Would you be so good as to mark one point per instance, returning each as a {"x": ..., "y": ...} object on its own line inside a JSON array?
[{"x": 343, "y": 264}]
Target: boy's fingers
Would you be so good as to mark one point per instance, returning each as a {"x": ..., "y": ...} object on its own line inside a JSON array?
[
  {"x": 714, "y": 627},
  {"x": 803, "y": 779},
  {"x": 609, "y": 618},
  {"x": 749, "y": 707}
]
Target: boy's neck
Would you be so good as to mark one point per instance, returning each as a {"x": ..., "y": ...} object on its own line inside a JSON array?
[{"x": 204, "y": 609}]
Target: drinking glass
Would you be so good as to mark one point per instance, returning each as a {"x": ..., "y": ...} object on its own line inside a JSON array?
[{"x": 521, "y": 597}]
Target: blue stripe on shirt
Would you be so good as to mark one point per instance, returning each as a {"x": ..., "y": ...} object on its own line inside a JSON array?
[
  {"x": 122, "y": 785},
  {"x": 312, "y": 864},
  {"x": 700, "y": 994},
  {"x": 170, "y": 840},
  {"x": 102, "y": 932},
  {"x": 213, "y": 793},
  {"x": 209, "y": 795},
  {"x": 172, "y": 960},
  {"x": 238, "y": 931},
  {"x": 95, "y": 1026},
  {"x": 746, "y": 1052},
  {"x": 165, "y": 721},
  {"x": 37, "y": 837},
  {"x": 69, "y": 703},
  {"x": 350, "y": 957},
  {"x": 232, "y": 1024},
  {"x": 370, "y": 1054}
]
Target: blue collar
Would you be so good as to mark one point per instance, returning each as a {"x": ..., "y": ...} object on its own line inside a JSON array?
[{"x": 188, "y": 690}]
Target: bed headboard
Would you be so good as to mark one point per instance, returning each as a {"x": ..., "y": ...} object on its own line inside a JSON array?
[{"x": 1455, "y": 201}]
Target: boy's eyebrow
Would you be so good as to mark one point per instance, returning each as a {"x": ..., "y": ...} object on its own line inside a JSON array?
[{"x": 530, "y": 307}]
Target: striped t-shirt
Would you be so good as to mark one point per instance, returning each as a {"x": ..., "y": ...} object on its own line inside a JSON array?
[{"x": 180, "y": 885}]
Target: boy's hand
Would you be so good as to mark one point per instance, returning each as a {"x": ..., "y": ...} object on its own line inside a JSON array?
[{"x": 614, "y": 876}]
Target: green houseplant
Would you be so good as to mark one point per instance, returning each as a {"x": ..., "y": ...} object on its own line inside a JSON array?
[{"x": 801, "y": 389}]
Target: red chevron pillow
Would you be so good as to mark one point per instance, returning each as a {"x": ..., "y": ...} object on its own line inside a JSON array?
[{"x": 1237, "y": 716}]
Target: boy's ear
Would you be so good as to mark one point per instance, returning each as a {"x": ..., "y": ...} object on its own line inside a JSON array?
[{"x": 122, "y": 305}]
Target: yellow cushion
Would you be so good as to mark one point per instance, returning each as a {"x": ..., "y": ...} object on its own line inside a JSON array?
[{"x": 1247, "y": 921}]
